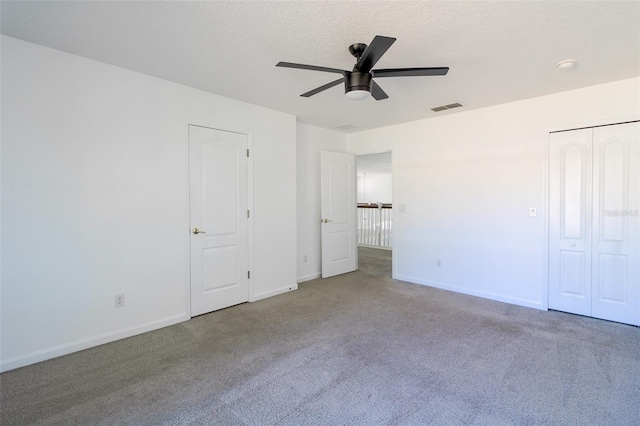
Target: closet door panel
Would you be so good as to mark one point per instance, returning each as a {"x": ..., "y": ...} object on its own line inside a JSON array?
[
  {"x": 616, "y": 231},
  {"x": 570, "y": 222}
]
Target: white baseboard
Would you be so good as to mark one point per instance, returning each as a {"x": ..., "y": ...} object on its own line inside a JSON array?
[
  {"x": 479, "y": 293},
  {"x": 309, "y": 277},
  {"x": 375, "y": 247},
  {"x": 274, "y": 292},
  {"x": 89, "y": 342}
]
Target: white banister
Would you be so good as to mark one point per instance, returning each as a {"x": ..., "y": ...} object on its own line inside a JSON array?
[{"x": 374, "y": 225}]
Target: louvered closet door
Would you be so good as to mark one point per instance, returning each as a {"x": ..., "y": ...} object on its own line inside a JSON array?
[{"x": 616, "y": 234}]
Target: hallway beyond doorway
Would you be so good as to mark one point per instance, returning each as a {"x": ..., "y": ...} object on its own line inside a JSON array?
[{"x": 374, "y": 261}]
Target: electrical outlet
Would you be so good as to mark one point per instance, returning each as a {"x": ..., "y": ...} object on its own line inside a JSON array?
[
  {"x": 119, "y": 300},
  {"x": 305, "y": 259},
  {"x": 439, "y": 262}
]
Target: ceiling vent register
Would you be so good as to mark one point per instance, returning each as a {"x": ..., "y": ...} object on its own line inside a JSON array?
[
  {"x": 348, "y": 126},
  {"x": 446, "y": 107}
]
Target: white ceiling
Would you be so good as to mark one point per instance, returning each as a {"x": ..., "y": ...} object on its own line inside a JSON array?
[
  {"x": 378, "y": 163},
  {"x": 498, "y": 51}
]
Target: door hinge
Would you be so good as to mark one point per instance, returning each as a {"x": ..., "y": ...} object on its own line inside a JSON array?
[
  {"x": 247, "y": 152},
  {"x": 248, "y": 214},
  {"x": 249, "y": 274}
]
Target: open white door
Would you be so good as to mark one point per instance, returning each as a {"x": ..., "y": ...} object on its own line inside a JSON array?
[
  {"x": 338, "y": 211},
  {"x": 218, "y": 199}
]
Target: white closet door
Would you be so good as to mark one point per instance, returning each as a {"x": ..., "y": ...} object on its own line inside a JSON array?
[
  {"x": 570, "y": 222},
  {"x": 616, "y": 233}
]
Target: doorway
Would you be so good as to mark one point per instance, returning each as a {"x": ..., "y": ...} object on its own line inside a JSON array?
[{"x": 375, "y": 212}]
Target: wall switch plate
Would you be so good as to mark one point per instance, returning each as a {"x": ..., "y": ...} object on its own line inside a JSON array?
[{"x": 532, "y": 211}]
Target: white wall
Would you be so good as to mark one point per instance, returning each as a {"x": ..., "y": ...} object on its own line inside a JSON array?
[
  {"x": 466, "y": 181},
  {"x": 374, "y": 178},
  {"x": 374, "y": 187},
  {"x": 95, "y": 200},
  {"x": 312, "y": 140}
]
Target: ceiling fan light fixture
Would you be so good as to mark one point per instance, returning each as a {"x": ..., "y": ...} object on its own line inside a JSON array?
[
  {"x": 357, "y": 85},
  {"x": 357, "y": 95}
]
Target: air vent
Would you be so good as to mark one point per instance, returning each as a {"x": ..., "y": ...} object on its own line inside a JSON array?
[
  {"x": 445, "y": 107},
  {"x": 347, "y": 126}
]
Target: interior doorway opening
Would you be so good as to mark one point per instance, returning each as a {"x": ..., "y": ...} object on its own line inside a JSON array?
[{"x": 374, "y": 195}]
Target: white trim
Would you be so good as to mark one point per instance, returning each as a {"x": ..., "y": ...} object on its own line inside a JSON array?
[
  {"x": 89, "y": 342},
  {"x": 483, "y": 294},
  {"x": 394, "y": 210},
  {"x": 594, "y": 123},
  {"x": 544, "y": 290},
  {"x": 187, "y": 226},
  {"x": 273, "y": 292},
  {"x": 250, "y": 221},
  {"x": 308, "y": 277},
  {"x": 375, "y": 247}
]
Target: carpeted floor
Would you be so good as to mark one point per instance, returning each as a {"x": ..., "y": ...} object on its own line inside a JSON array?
[
  {"x": 374, "y": 261},
  {"x": 357, "y": 349}
]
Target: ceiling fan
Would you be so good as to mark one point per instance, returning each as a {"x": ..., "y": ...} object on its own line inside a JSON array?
[{"x": 359, "y": 84}]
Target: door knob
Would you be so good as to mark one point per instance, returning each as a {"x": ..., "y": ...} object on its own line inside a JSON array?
[
  {"x": 325, "y": 220},
  {"x": 197, "y": 231}
]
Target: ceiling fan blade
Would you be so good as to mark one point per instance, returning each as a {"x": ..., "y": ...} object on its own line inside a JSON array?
[
  {"x": 373, "y": 53},
  {"x": 309, "y": 67},
  {"x": 321, "y": 88},
  {"x": 410, "y": 72},
  {"x": 377, "y": 92}
]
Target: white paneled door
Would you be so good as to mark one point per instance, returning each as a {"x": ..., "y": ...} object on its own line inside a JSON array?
[
  {"x": 570, "y": 217},
  {"x": 616, "y": 234},
  {"x": 218, "y": 194},
  {"x": 338, "y": 213},
  {"x": 594, "y": 246}
]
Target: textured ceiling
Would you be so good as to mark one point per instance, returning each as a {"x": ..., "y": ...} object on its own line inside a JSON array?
[{"x": 497, "y": 51}]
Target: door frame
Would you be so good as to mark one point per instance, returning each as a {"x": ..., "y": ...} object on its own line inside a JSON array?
[
  {"x": 186, "y": 214},
  {"x": 394, "y": 183},
  {"x": 547, "y": 182}
]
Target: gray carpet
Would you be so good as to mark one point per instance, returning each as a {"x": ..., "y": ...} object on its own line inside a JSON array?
[
  {"x": 374, "y": 261},
  {"x": 353, "y": 349}
]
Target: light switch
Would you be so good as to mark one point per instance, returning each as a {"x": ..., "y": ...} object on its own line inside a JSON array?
[
  {"x": 402, "y": 208},
  {"x": 532, "y": 211}
]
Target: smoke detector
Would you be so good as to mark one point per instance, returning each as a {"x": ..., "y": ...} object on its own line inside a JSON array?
[{"x": 566, "y": 65}]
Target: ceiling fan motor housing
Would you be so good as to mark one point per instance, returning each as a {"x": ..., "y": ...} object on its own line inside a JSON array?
[{"x": 357, "y": 81}]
